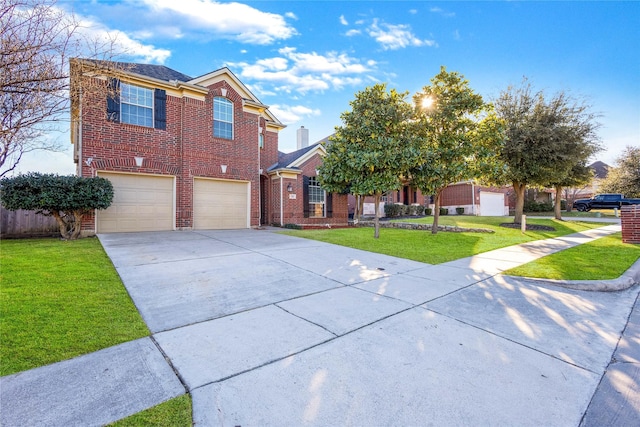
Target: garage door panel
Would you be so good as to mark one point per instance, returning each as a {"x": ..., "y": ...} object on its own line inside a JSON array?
[
  {"x": 220, "y": 204},
  {"x": 140, "y": 203},
  {"x": 491, "y": 204}
]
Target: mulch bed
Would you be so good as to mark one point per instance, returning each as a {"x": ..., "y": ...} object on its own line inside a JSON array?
[{"x": 531, "y": 227}]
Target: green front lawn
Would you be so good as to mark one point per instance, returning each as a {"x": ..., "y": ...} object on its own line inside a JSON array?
[
  {"x": 59, "y": 300},
  {"x": 444, "y": 246},
  {"x": 175, "y": 413},
  {"x": 584, "y": 262}
]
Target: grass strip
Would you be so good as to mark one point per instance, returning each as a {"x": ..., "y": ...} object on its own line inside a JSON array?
[
  {"x": 175, "y": 413},
  {"x": 60, "y": 299},
  {"x": 584, "y": 262},
  {"x": 442, "y": 247}
]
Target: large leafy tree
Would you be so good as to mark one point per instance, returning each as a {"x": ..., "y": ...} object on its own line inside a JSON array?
[
  {"x": 372, "y": 150},
  {"x": 545, "y": 138},
  {"x": 625, "y": 176},
  {"x": 37, "y": 38},
  {"x": 67, "y": 198},
  {"x": 458, "y": 136}
]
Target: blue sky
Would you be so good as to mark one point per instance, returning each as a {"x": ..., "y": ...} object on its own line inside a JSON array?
[{"x": 306, "y": 59}]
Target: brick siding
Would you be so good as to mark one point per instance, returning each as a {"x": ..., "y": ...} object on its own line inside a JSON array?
[
  {"x": 630, "y": 224},
  {"x": 186, "y": 149}
]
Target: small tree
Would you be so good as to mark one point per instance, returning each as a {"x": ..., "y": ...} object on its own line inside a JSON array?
[
  {"x": 372, "y": 150},
  {"x": 625, "y": 176},
  {"x": 458, "y": 135},
  {"x": 579, "y": 174},
  {"x": 67, "y": 198}
]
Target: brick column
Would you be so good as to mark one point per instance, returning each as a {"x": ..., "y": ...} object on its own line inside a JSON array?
[{"x": 631, "y": 224}]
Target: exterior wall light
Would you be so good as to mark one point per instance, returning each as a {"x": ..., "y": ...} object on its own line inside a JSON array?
[{"x": 289, "y": 188}]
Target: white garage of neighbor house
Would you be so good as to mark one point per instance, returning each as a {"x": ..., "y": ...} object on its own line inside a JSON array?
[
  {"x": 492, "y": 204},
  {"x": 140, "y": 203}
]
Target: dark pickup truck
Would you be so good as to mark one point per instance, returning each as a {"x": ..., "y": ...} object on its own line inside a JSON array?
[{"x": 604, "y": 201}]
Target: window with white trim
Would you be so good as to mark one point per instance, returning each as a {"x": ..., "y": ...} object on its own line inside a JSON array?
[
  {"x": 222, "y": 118},
  {"x": 317, "y": 199},
  {"x": 136, "y": 105}
]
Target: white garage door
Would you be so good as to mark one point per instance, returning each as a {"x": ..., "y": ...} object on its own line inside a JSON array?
[
  {"x": 140, "y": 203},
  {"x": 491, "y": 204},
  {"x": 220, "y": 204}
]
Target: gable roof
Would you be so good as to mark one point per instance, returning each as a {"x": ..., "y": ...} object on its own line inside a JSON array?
[
  {"x": 296, "y": 158},
  {"x": 600, "y": 169},
  {"x": 248, "y": 97}
]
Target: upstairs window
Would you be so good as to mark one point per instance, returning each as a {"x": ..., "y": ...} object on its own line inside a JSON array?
[
  {"x": 136, "y": 105},
  {"x": 222, "y": 118}
]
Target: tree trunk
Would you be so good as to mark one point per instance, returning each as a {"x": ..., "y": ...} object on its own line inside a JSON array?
[
  {"x": 558, "y": 203},
  {"x": 360, "y": 207},
  {"x": 519, "y": 188},
  {"x": 436, "y": 211},
  {"x": 77, "y": 225},
  {"x": 376, "y": 221},
  {"x": 64, "y": 231}
]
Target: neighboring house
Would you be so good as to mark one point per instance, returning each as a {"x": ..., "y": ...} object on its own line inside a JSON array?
[
  {"x": 302, "y": 201},
  {"x": 181, "y": 152},
  {"x": 476, "y": 199},
  {"x": 600, "y": 172}
]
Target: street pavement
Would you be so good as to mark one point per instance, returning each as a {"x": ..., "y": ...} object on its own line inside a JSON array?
[{"x": 267, "y": 329}]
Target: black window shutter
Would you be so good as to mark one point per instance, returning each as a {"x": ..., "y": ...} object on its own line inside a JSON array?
[
  {"x": 329, "y": 205},
  {"x": 113, "y": 100},
  {"x": 305, "y": 196},
  {"x": 160, "y": 109}
]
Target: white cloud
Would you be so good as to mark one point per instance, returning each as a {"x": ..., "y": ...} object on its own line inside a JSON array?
[
  {"x": 343, "y": 20},
  {"x": 442, "y": 12},
  {"x": 305, "y": 72},
  {"x": 393, "y": 37},
  {"x": 119, "y": 43},
  {"x": 353, "y": 33},
  {"x": 289, "y": 114},
  {"x": 228, "y": 20}
]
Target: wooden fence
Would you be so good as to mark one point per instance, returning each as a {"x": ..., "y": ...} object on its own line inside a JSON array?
[{"x": 26, "y": 224}]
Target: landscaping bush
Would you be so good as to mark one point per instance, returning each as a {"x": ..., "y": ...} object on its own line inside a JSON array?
[
  {"x": 460, "y": 211},
  {"x": 392, "y": 210},
  {"x": 67, "y": 198},
  {"x": 444, "y": 211},
  {"x": 419, "y": 210},
  {"x": 428, "y": 211},
  {"x": 292, "y": 226},
  {"x": 533, "y": 206}
]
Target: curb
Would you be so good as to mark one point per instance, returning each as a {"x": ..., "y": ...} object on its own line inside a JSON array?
[{"x": 627, "y": 280}]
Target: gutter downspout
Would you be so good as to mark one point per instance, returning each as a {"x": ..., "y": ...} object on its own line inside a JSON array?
[{"x": 281, "y": 200}]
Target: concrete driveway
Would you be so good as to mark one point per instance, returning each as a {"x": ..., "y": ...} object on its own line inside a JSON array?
[{"x": 266, "y": 329}]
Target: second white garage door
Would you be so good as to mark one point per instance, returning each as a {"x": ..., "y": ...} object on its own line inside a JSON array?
[
  {"x": 491, "y": 204},
  {"x": 219, "y": 204}
]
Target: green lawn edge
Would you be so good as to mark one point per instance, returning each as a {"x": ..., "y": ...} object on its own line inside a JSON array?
[
  {"x": 176, "y": 412},
  {"x": 422, "y": 246},
  {"x": 584, "y": 262},
  {"x": 58, "y": 300}
]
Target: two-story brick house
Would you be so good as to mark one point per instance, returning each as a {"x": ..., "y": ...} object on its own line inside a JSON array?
[{"x": 181, "y": 152}]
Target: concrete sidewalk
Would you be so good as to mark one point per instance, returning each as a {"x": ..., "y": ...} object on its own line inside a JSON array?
[{"x": 267, "y": 329}]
